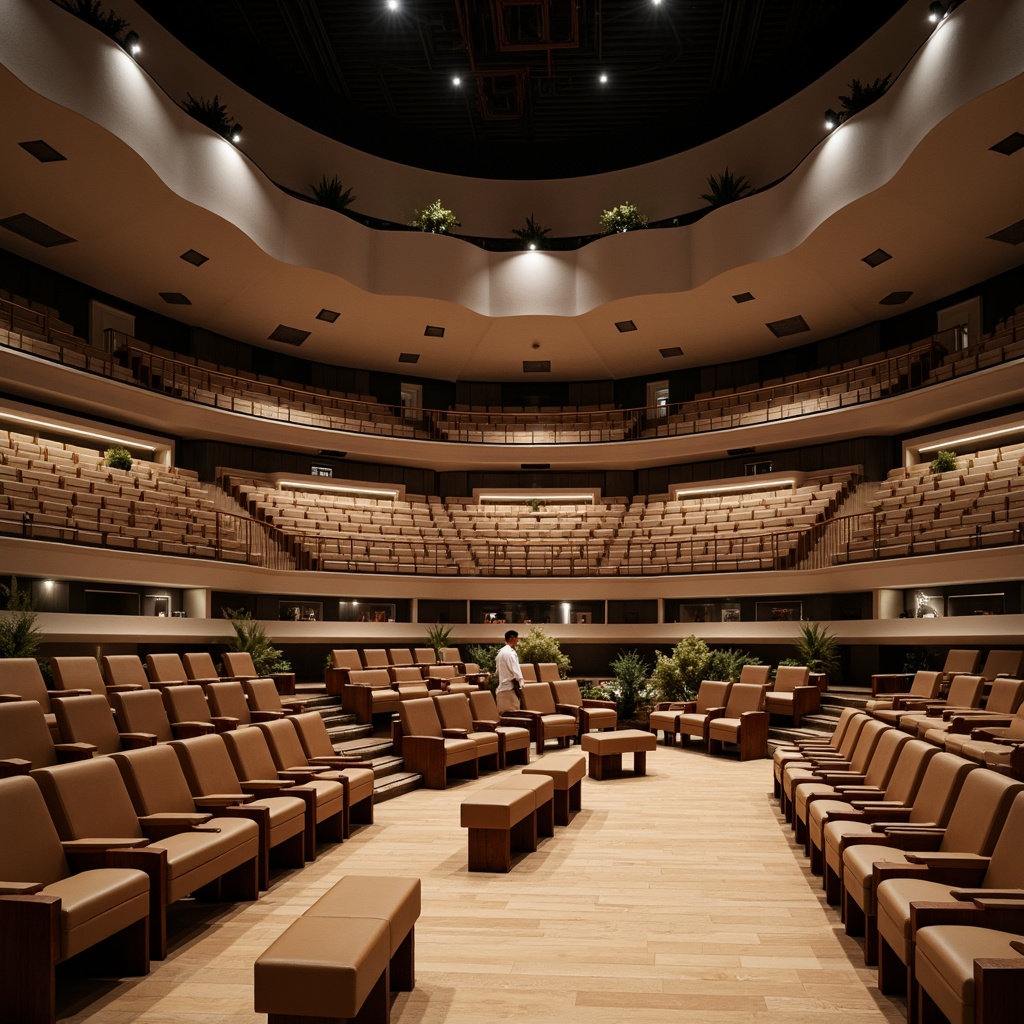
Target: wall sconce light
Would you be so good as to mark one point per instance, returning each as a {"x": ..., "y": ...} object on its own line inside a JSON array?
[
  {"x": 936, "y": 12},
  {"x": 831, "y": 119},
  {"x": 236, "y": 134},
  {"x": 132, "y": 44}
]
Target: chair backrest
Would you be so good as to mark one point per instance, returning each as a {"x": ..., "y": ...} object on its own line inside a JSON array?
[
  {"x": 24, "y": 734},
  {"x": 31, "y": 851},
  {"x": 909, "y": 770},
  {"x": 528, "y": 672},
  {"x": 443, "y": 672},
  {"x": 1006, "y": 868},
  {"x": 419, "y": 717},
  {"x": 78, "y": 673},
  {"x": 744, "y": 697},
  {"x": 378, "y": 678},
  {"x": 485, "y": 707},
  {"x": 965, "y": 691},
  {"x": 186, "y": 703},
  {"x": 943, "y": 779},
  {"x": 87, "y": 720},
  {"x": 346, "y": 658},
  {"x": 1002, "y": 663},
  {"x": 537, "y": 697},
  {"x": 866, "y": 744},
  {"x": 284, "y": 744},
  {"x": 961, "y": 662},
  {"x": 165, "y": 668},
  {"x": 142, "y": 711},
  {"x": 407, "y": 674},
  {"x": 228, "y": 699},
  {"x": 451, "y": 655},
  {"x": 88, "y": 800},
  {"x": 250, "y": 754},
  {"x": 239, "y": 663},
  {"x": 400, "y": 655},
  {"x": 712, "y": 693},
  {"x": 21, "y": 676},
  {"x": 124, "y": 670},
  {"x": 454, "y": 711},
  {"x": 979, "y": 813},
  {"x": 262, "y": 695},
  {"x": 789, "y": 677},
  {"x": 566, "y": 691},
  {"x": 207, "y": 765},
  {"x": 843, "y": 723},
  {"x": 755, "y": 674},
  {"x": 853, "y": 731},
  {"x": 547, "y": 672},
  {"x": 1005, "y": 696},
  {"x": 926, "y": 684},
  {"x": 313, "y": 734},
  {"x": 375, "y": 657},
  {"x": 199, "y": 665},
  {"x": 155, "y": 781},
  {"x": 883, "y": 761},
  {"x": 425, "y": 655}
]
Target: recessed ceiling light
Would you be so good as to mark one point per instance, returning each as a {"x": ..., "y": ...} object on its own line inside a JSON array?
[
  {"x": 876, "y": 258},
  {"x": 288, "y": 335},
  {"x": 175, "y": 299},
  {"x": 433, "y": 332},
  {"x": 456, "y": 80},
  {"x": 670, "y": 353},
  {"x": 327, "y": 315},
  {"x": 42, "y": 151},
  {"x": 625, "y": 326},
  {"x": 408, "y": 357},
  {"x": 35, "y": 230},
  {"x": 787, "y": 326},
  {"x": 197, "y": 259},
  {"x": 1007, "y": 146},
  {"x": 743, "y": 297},
  {"x": 603, "y": 78}
]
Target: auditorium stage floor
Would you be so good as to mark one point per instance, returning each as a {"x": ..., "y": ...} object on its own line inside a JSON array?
[{"x": 674, "y": 897}]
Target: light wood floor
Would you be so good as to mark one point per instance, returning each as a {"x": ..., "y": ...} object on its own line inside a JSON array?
[{"x": 674, "y": 897}]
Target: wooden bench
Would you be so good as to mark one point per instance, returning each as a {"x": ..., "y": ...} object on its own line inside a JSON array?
[
  {"x": 566, "y": 771},
  {"x": 606, "y": 750},
  {"x": 341, "y": 959},
  {"x": 500, "y": 822},
  {"x": 543, "y": 789}
]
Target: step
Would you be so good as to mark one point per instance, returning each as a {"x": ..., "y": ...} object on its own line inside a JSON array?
[
  {"x": 359, "y": 740},
  {"x": 396, "y": 785}
]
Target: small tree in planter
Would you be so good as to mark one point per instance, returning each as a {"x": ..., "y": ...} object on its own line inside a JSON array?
[
  {"x": 438, "y": 637},
  {"x": 436, "y": 219},
  {"x": 91, "y": 11},
  {"x": 532, "y": 235},
  {"x": 118, "y": 458},
  {"x": 252, "y": 637},
  {"x": 862, "y": 96},
  {"x": 211, "y": 113},
  {"x": 818, "y": 649},
  {"x": 629, "y": 687},
  {"x": 537, "y": 647},
  {"x": 19, "y": 635},
  {"x": 328, "y": 193},
  {"x": 677, "y": 676},
  {"x": 725, "y": 188},
  {"x": 624, "y": 217},
  {"x": 727, "y": 664},
  {"x": 944, "y": 462}
]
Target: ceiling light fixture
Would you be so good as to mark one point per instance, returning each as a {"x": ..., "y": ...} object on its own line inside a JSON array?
[
  {"x": 132, "y": 44},
  {"x": 603, "y": 78},
  {"x": 456, "y": 80},
  {"x": 533, "y": 246},
  {"x": 831, "y": 119},
  {"x": 392, "y": 5}
]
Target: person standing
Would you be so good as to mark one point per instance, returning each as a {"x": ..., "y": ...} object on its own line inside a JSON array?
[{"x": 510, "y": 676}]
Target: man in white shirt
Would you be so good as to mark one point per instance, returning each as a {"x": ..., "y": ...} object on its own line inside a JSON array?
[{"x": 510, "y": 676}]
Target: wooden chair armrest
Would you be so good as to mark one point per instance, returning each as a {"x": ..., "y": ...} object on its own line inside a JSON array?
[
  {"x": 267, "y": 787},
  {"x": 9, "y": 698},
  {"x": 74, "y": 751},
  {"x": 224, "y": 723},
  {"x": 480, "y": 726},
  {"x": 100, "y": 843},
  {"x": 185, "y": 730},
  {"x": 593, "y": 702},
  {"x": 136, "y": 740},
  {"x": 55, "y": 694},
  {"x": 454, "y": 734},
  {"x": 20, "y": 888},
  {"x": 11, "y": 766},
  {"x": 220, "y": 800},
  {"x": 568, "y": 709},
  {"x": 266, "y": 716},
  {"x": 986, "y": 894}
]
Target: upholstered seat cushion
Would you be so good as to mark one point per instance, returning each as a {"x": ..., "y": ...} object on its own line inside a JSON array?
[
  {"x": 893, "y": 901},
  {"x": 626, "y": 741},
  {"x": 196, "y": 858},
  {"x": 98, "y": 903},
  {"x": 499, "y": 809},
  {"x": 727, "y": 729},
  {"x": 392, "y": 899},
  {"x": 858, "y": 868},
  {"x": 565, "y": 770}
]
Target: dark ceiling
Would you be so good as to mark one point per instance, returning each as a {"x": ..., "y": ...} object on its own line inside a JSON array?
[{"x": 530, "y": 104}]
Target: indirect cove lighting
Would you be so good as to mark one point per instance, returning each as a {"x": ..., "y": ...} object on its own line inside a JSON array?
[
  {"x": 63, "y": 429},
  {"x": 949, "y": 442},
  {"x": 768, "y": 485},
  {"x": 362, "y": 492}
]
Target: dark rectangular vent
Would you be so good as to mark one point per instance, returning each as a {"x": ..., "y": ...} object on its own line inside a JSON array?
[
  {"x": 895, "y": 299},
  {"x": 42, "y": 151},
  {"x": 876, "y": 258},
  {"x": 743, "y": 297},
  {"x": 670, "y": 353},
  {"x": 1007, "y": 146},
  {"x": 35, "y": 231},
  {"x": 288, "y": 335},
  {"x": 331, "y": 453},
  {"x": 197, "y": 259},
  {"x": 175, "y": 299},
  {"x": 433, "y": 332},
  {"x": 408, "y": 357},
  {"x": 536, "y": 366},
  {"x": 740, "y": 451},
  {"x": 625, "y": 326},
  {"x": 328, "y": 315},
  {"x": 790, "y": 325},
  {"x": 535, "y": 465},
  {"x": 1013, "y": 234}
]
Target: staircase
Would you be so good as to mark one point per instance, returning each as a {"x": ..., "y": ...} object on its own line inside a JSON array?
[{"x": 823, "y": 722}]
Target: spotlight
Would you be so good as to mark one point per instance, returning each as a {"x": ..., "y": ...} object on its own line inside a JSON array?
[
  {"x": 533, "y": 246},
  {"x": 236, "y": 133},
  {"x": 392, "y": 5},
  {"x": 132, "y": 44},
  {"x": 603, "y": 78},
  {"x": 831, "y": 119},
  {"x": 657, "y": 3},
  {"x": 456, "y": 80},
  {"x": 936, "y": 12}
]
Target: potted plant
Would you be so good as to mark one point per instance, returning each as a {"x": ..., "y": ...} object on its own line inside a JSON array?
[
  {"x": 329, "y": 193},
  {"x": 677, "y": 676},
  {"x": 91, "y": 11},
  {"x": 19, "y": 635},
  {"x": 944, "y": 462},
  {"x": 211, "y": 113},
  {"x": 438, "y": 637},
  {"x": 624, "y": 217},
  {"x": 252, "y": 637},
  {"x": 436, "y": 219},
  {"x": 537, "y": 647},
  {"x": 630, "y": 682},
  {"x": 725, "y": 188},
  {"x": 532, "y": 235},
  {"x": 861, "y": 96},
  {"x": 818, "y": 649},
  {"x": 118, "y": 458}
]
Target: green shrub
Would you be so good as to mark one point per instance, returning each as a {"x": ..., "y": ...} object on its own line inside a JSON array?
[
  {"x": 944, "y": 462},
  {"x": 19, "y": 636},
  {"x": 861, "y": 96},
  {"x": 483, "y": 655},
  {"x": 436, "y": 219},
  {"x": 438, "y": 637},
  {"x": 538, "y": 647},
  {"x": 919, "y": 659},
  {"x": 625, "y": 217},
  {"x": 329, "y": 193},
  {"x": 532, "y": 235},
  {"x": 818, "y": 649},
  {"x": 91, "y": 11},
  {"x": 727, "y": 664},
  {"x": 252, "y": 637},
  {"x": 211, "y": 113},
  {"x": 630, "y": 682},
  {"x": 677, "y": 676},
  {"x": 118, "y": 458},
  {"x": 725, "y": 188}
]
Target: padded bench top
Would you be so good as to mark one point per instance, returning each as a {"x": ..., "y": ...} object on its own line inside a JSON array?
[
  {"x": 497, "y": 808},
  {"x": 542, "y": 786},
  {"x": 396, "y": 901},
  {"x": 626, "y": 741},
  {"x": 565, "y": 770}
]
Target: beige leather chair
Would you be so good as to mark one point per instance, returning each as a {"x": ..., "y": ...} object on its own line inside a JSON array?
[
  {"x": 475, "y": 675},
  {"x": 592, "y": 715},
  {"x": 991, "y": 745},
  {"x": 123, "y": 672},
  {"x": 20, "y": 679},
  {"x": 744, "y": 723},
  {"x": 289, "y": 756},
  {"x": 447, "y": 679},
  {"x": 1002, "y": 663},
  {"x": 760, "y": 674},
  {"x": 188, "y": 703},
  {"x": 792, "y": 696},
  {"x": 849, "y": 718},
  {"x": 375, "y": 657},
  {"x": 953, "y": 729},
  {"x": 143, "y": 712},
  {"x": 49, "y": 911},
  {"x": 547, "y": 672},
  {"x": 88, "y": 801},
  {"x": 199, "y": 667},
  {"x": 965, "y": 692},
  {"x": 262, "y": 695},
  {"x": 924, "y": 881},
  {"x": 400, "y": 657},
  {"x": 81, "y": 674},
  {"x": 427, "y": 751},
  {"x": 514, "y": 740},
  {"x": 318, "y": 747},
  {"x": 89, "y": 720},
  {"x": 425, "y": 657},
  {"x": 239, "y": 665},
  {"x": 924, "y": 688},
  {"x": 536, "y": 702},
  {"x": 369, "y": 692},
  {"x": 227, "y": 700},
  {"x": 529, "y": 672},
  {"x": 165, "y": 669},
  {"x": 687, "y": 718},
  {"x": 453, "y": 656},
  {"x": 281, "y": 818},
  {"x": 959, "y": 663},
  {"x": 409, "y": 682},
  {"x": 343, "y": 662},
  {"x": 457, "y": 720},
  {"x": 254, "y": 765},
  {"x": 26, "y": 741}
]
